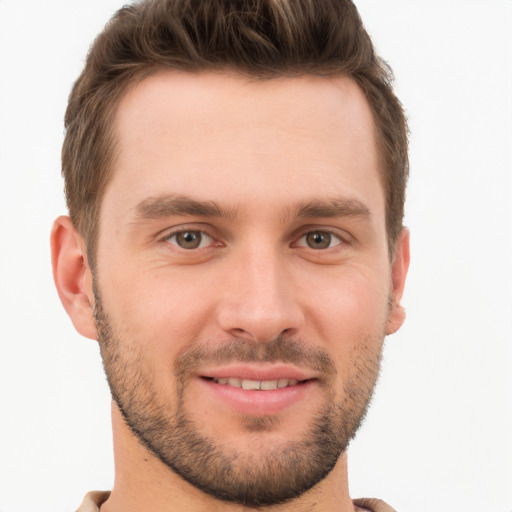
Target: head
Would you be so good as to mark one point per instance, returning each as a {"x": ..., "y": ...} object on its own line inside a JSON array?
[
  {"x": 261, "y": 40},
  {"x": 235, "y": 176}
]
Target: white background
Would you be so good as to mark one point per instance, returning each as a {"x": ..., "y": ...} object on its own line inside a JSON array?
[{"x": 438, "y": 436}]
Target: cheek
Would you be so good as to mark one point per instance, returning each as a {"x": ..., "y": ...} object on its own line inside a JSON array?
[
  {"x": 348, "y": 305},
  {"x": 352, "y": 326},
  {"x": 163, "y": 309}
]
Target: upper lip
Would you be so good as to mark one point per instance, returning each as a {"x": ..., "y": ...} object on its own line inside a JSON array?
[{"x": 259, "y": 372}]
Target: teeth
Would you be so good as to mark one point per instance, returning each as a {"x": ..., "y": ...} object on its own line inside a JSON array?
[
  {"x": 251, "y": 385},
  {"x": 268, "y": 384},
  {"x": 283, "y": 383}
]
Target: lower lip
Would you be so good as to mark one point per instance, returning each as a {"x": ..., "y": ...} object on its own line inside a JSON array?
[{"x": 258, "y": 403}]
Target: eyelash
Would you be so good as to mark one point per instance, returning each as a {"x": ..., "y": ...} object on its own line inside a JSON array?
[
  {"x": 328, "y": 232},
  {"x": 205, "y": 236}
]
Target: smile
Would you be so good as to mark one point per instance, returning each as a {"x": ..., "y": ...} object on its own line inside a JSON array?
[{"x": 257, "y": 385}]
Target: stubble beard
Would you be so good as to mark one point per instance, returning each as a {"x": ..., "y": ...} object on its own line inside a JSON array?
[{"x": 266, "y": 473}]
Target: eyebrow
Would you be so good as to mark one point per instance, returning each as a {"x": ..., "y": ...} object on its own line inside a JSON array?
[
  {"x": 318, "y": 208},
  {"x": 168, "y": 205}
]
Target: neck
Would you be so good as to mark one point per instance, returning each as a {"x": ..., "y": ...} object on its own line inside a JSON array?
[{"x": 143, "y": 482}]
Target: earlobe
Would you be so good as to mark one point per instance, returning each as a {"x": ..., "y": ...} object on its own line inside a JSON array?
[
  {"x": 399, "y": 270},
  {"x": 72, "y": 276}
]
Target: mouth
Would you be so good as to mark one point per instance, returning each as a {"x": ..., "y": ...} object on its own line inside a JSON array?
[
  {"x": 256, "y": 390},
  {"x": 256, "y": 385}
]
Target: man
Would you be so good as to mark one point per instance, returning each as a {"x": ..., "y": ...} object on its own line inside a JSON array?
[{"x": 235, "y": 175}]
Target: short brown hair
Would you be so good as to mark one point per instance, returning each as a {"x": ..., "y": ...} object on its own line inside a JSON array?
[{"x": 258, "y": 38}]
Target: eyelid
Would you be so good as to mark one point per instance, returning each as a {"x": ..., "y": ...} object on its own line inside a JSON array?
[
  {"x": 206, "y": 239},
  {"x": 343, "y": 237},
  {"x": 165, "y": 235},
  {"x": 330, "y": 233}
]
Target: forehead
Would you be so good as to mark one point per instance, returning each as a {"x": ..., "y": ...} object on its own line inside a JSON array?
[{"x": 230, "y": 138}]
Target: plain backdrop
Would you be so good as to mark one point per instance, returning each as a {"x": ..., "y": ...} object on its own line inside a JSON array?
[{"x": 438, "y": 435}]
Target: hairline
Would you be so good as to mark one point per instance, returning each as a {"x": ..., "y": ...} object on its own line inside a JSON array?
[{"x": 126, "y": 83}]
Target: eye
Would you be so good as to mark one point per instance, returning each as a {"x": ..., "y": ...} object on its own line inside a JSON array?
[
  {"x": 190, "y": 239},
  {"x": 318, "y": 240}
]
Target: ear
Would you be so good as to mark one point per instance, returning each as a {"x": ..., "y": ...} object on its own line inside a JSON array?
[
  {"x": 399, "y": 268},
  {"x": 72, "y": 276}
]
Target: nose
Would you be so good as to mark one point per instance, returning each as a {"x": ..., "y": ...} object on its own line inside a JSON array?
[{"x": 260, "y": 301}]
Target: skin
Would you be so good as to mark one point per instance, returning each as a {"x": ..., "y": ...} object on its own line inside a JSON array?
[{"x": 259, "y": 150}]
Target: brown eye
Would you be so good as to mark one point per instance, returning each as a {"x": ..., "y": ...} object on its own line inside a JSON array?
[
  {"x": 318, "y": 240},
  {"x": 190, "y": 239}
]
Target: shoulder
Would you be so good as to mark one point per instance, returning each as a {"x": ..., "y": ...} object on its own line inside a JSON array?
[
  {"x": 373, "y": 505},
  {"x": 93, "y": 501}
]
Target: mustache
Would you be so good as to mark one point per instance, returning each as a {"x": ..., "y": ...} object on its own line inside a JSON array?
[{"x": 240, "y": 350}]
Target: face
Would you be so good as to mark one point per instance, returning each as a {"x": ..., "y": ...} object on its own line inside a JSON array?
[{"x": 243, "y": 284}]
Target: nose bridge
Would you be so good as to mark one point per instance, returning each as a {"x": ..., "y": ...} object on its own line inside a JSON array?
[{"x": 259, "y": 301}]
